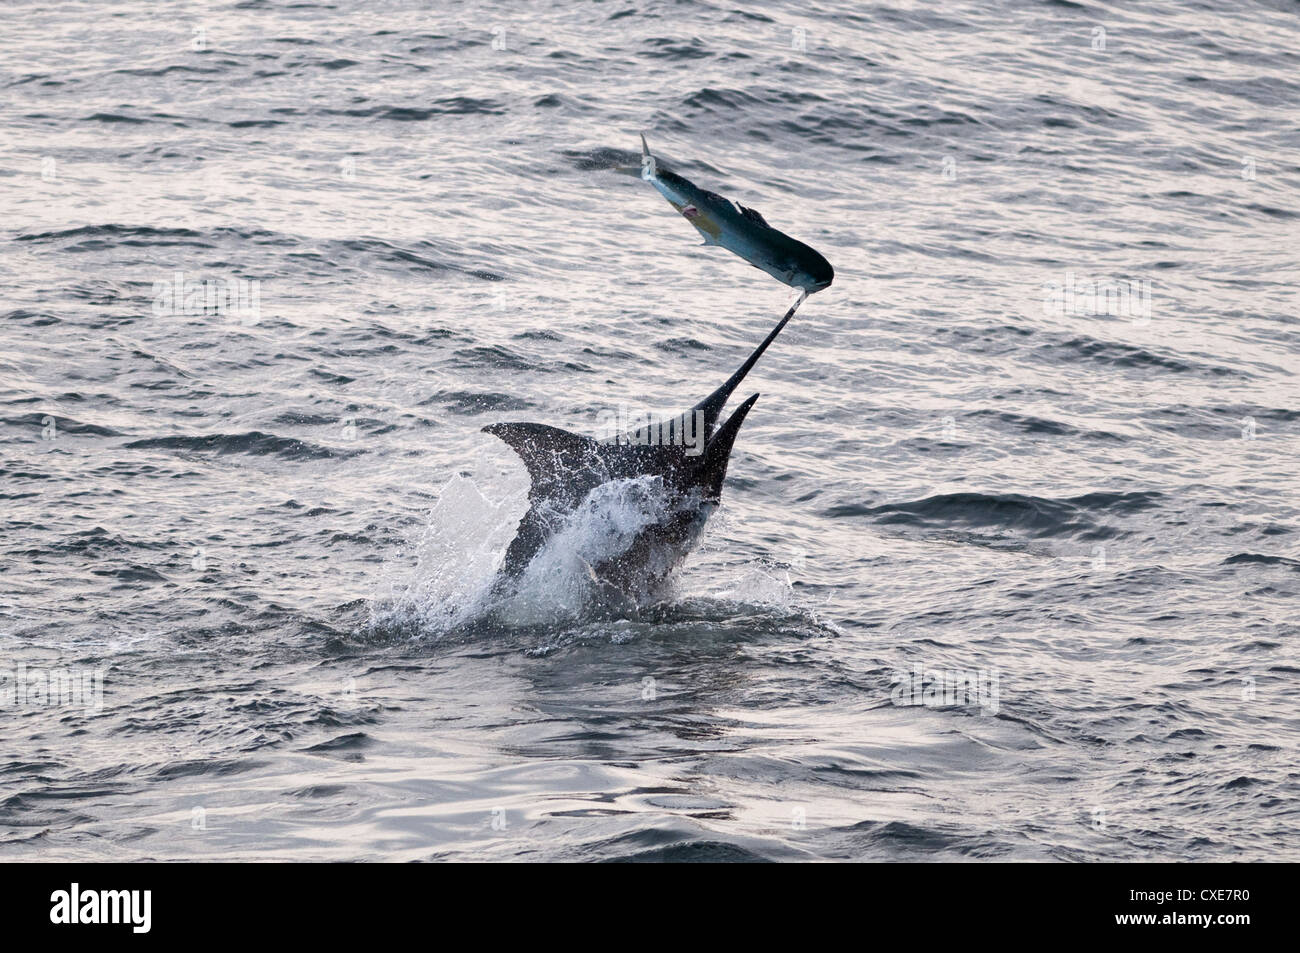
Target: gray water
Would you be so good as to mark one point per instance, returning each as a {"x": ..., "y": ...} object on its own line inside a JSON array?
[{"x": 269, "y": 528}]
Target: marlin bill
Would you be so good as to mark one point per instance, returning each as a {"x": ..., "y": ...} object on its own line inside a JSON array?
[{"x": 740, "y": 230}]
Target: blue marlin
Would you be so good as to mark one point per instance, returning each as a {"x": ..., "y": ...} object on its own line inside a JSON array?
[
  {"x": 740, "y": 230},
  {"x": 566, "y": 468}
]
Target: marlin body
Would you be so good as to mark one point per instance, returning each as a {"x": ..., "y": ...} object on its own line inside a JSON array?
[
  {"x": 740, "y": 230},
  {"x": 566, "y": 469}
]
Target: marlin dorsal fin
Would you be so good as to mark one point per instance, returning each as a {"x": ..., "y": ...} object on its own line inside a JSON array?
[{"x": 752, "y": 215}]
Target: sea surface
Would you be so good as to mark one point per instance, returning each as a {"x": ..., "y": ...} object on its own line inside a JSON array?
[{"x": 268, "y": 268}]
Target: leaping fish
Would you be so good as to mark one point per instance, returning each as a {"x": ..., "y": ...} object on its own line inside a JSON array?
[
  {"x": 687, "y": 454},
  {"x": 740, "y": 230}
]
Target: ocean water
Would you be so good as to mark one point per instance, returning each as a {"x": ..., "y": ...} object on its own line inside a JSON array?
[{"x": 1041, "y": 433}]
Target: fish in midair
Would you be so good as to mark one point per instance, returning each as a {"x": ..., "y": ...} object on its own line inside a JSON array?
[{"x": 738, "y": 229}]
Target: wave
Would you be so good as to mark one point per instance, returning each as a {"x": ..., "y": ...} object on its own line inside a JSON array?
[
  {"x": 1116, "y": 354},
  {"x": 1042, "y": 426},
  {"x": 451, "y": 106},
  {"x": 1041, "y": 517},
  {"x": 254, "y": 443},
  {"x": 1259, "y": 559},
  {"x": 105, "y": 236},
  {"x": 469, "y": 402},
  {"x": 363, "y": 252}
]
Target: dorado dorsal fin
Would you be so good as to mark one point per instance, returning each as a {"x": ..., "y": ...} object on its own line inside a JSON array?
[{"x": 752, "y": 215}]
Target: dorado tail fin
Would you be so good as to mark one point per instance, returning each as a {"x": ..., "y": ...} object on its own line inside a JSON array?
[{"x": 647, "y": 168}]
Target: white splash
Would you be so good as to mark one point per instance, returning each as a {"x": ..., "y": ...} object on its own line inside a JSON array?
[
  {"x": 456, "y": 562},
  {"x": 453, "y": 581},
  {"x": 561, "y": 582}
]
